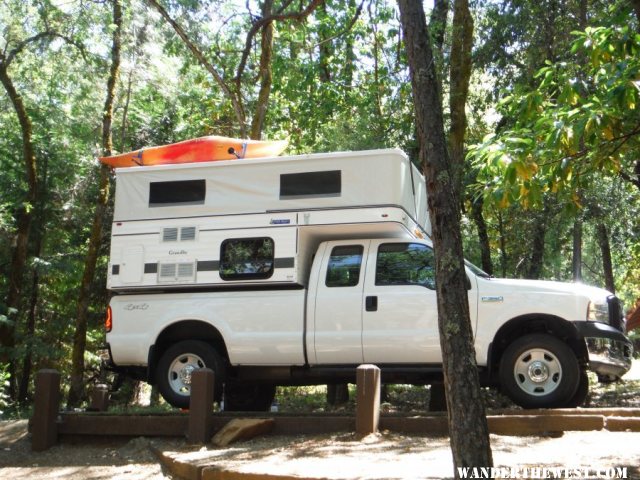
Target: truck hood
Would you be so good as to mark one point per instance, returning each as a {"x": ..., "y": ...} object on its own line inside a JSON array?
[{"x": 545, "y": 287}]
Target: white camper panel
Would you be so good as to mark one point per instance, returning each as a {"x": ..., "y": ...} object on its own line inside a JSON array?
[
  {"x": 189, "y": 252},
  {"x": 255, "y": 221},
  {"x": 326, "y": 180}
]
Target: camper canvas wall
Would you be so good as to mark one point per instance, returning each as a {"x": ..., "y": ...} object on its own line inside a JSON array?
[{"x": 256, "y": 221}]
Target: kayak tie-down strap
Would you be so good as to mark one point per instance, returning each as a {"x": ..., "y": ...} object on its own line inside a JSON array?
[{"x": 232, "y": 151}]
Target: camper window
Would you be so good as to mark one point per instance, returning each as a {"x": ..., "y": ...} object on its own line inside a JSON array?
[
  {"x": 310, "y": 184},
  {"x": 246, "y": 258},
  {"x": 181, "y": 192},
  {"x": 344, "y": 266}
]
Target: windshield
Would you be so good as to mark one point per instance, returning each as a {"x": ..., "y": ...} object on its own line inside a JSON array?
[{"x": 476, "y": 270}]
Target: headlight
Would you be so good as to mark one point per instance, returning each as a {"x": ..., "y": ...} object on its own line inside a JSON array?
[{"x": 598, "y": 312}]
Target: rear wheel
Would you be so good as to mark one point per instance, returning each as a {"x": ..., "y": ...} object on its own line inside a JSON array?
[
  {"x": 178, "y": 363},
  {"x": 539, "y": 371}
]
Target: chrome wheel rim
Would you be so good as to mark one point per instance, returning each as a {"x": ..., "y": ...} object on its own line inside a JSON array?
[
  {"x": 538, "y": 372},
  {"x": 180, "y": 372}
]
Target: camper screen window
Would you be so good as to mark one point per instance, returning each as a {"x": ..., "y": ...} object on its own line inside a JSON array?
[
  {"x": 182, "y": 192},
  {"x": 311, "y": 184},
  {"x": 246, "y": 258}
]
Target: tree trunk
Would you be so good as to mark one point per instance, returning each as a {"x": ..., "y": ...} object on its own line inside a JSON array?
[
  {"x": 607, "y": 264},
  {"x": 324, "y": 47},
  {"x": 534, "y": 265},
  {"x": 462, "y": 42},
  {"x": 24, "y": 218},
  {"x": 76, "y": 391},
  {"x": 266, "y": 43},
  {"x": 438, "y": 23},
  {"x": 576, "y": 258},
  {"x": 466, "y": 417},
  {"x": 636, "y": 8},
  {"x": 37, "y": 234},
  {"x": 503, "y": 246},
  {"x": 349, "y": 55},
  {"x": 483, "y": 235},
  {"x": 337, "y": 394}
]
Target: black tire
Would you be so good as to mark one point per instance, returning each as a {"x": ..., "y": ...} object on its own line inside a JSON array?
[
  {"x": 248, "y": 398},
  {"x": 539, "y": 371},
  {"x": 173, "y": 373},
  {"x": 582, "y": 392}
]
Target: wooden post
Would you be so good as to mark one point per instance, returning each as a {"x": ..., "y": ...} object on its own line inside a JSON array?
[
  {"x": 99, "y": 398},
  {"x": 200, "y": 406},
  {"x": 44, "y": 433},
  {"x": 368, "y": 399}
]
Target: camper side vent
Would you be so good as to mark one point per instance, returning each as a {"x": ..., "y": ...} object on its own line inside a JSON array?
[
  {"x": 176, "y": 272},
  {"x": 185, "y": 271},
  {"x": 168, "y": 271},
  {"x": 187, "y": 233},
  {"x": 169, "y": 234}
]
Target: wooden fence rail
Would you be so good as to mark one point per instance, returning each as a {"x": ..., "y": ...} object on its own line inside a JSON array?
[{"x": 48, "y": 424}]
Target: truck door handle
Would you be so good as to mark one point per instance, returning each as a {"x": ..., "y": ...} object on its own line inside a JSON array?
[{"x": 371, "y": 304}]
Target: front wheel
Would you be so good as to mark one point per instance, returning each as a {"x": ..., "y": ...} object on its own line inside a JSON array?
[
  {"x": 176, "y": 366},
  {"x": 539, "y": 371}
]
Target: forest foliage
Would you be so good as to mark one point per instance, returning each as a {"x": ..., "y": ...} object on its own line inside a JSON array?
[{"x": 552, "y": 173}]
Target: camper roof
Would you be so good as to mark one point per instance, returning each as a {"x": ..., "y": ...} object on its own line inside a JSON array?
[{"x": 301, "y": 182}]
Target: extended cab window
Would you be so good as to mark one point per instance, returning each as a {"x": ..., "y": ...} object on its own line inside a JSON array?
[
  {"x": 405, "y": 264},
  {"x": 344, "y": 266},
  {"x": 246, "y": 258}
]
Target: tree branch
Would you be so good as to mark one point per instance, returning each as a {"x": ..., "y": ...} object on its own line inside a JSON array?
[
  {"x": 22, "y": 45},
  {"x": 348, "y": 28},
  {"x": 36, "y": 38},
  {"x": 278, "y": 16},
  {"x": 197, "y": 53}
]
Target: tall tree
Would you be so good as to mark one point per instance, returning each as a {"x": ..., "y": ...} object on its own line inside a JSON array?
[
  {"x": 24, "y": 213},
  {"x": 233, "y": 88},
  {"x": 76, "y": 391},
  {"x": 466, "y": 417}
]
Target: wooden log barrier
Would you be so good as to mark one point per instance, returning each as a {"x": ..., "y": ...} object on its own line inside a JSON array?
[
  {"x": 44, "y": 430},
  {"x": 200, "y": 406},
  {"x": 367, "y": 399}
]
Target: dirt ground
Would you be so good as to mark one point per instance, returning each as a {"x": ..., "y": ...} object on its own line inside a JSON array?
[
  {"x": 337, "y": 456},
  {"x": 387, "y": 455}
]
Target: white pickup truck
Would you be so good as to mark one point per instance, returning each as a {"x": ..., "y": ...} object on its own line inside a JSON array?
[
  {"x": 370, "y": 301},
  {"x": 310, "y": 281}
]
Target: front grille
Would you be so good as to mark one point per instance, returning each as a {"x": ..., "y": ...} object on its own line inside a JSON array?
[{"x": 616, "y": 315}]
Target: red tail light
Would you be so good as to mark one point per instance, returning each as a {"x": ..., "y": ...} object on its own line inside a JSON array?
[{"x": 108, "y": 321}]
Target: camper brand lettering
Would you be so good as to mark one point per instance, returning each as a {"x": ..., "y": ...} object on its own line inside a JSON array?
[
  {"x": 178, "y": 252},
  {"x": 136, "y": 306}
]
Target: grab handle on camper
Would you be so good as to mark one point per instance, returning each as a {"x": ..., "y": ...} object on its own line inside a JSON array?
[{"x": 371, "y": 304}]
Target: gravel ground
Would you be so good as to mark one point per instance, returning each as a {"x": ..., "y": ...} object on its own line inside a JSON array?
[{"x": 344, "y": 456}]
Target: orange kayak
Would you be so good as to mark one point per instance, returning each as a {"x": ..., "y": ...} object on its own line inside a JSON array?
[{"x": 203, "y": 149}]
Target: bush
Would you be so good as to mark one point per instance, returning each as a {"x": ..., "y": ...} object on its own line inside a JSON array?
[{"x": 4, "y": 385}]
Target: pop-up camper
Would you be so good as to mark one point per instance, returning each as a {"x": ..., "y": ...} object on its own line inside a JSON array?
[
  {"x": 295, "y": 270},
  {"x": 172, "y": 222}
]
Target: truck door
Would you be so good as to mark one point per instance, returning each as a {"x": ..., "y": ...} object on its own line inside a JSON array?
[
  {"x": 400, "y": 319},
  {"x": 339, "y": 303}
]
